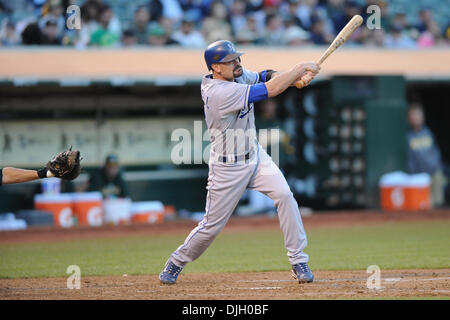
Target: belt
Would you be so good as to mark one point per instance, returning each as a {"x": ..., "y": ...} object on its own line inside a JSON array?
[{"x": 235, "y": 158}]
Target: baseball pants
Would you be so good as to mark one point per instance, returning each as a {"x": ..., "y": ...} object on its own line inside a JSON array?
[{"x": 226, "y": 184}]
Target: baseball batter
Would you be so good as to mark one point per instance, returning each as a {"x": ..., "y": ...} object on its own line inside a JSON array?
[{"x": 237, "y": 160}]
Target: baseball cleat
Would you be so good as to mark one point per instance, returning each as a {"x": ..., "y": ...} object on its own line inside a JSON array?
[
  {"x": 170, "y": 273},
  {"x": 301, "y": 272}
]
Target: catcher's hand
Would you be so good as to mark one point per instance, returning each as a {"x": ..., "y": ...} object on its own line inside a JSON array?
[{"x": 65, "y": 165}]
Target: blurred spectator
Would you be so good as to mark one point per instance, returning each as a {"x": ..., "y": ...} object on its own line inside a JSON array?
[
  {"x": 156, "y": 9},
  {"x": 319, "y": 35},
  {"x": 426, "y": 40},
  {"x": 141, "y": 24},
  {"x": 32, "y": 34},
  {"x": 399, "y": 21},
  {"x": 50, "y": 33},
  {"x": 216, "y": 26},
  {"x": 168, "y": 26},
  {"x": 335, "y": 13},
  {"x": 158, "y": 35},
  {"x": 109, "y": 179},
  {"x": 196, "y": 9},
  {"x": 250, "y": 33},
  {"x": 425, "y": 18},
  {"x": 187, "y": 36},
  {"x": 350, "y": 9},
  {"x": 290, "y": 10},
  {"x": 89, "y": 12},
  {"x": 294, "y": 35},
  {"x": 8, "y": 35},
  {"x": 171, "y": 9},
  {"x": 424, "y": 154},
  {"x": 254, "y": 5},
  {"x": 246, "y": 22},
  {"x": 430, "y": 32},
  {"x": 108, "y": 31},
  {"x": 307, "y": 11},
  {"x": 237, "y": 16},
  {"x": 274, "y": 30},
  {"x": 396, "y": 39},
  {"x": 129, "y": 38},
  {"x": 447, "y": 34},
  {"x": 375, "y": 38},
  {"x": 53, "y": 11}
]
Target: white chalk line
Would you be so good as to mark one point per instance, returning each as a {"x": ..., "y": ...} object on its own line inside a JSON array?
[
  {"x": 258, "y": 288},
  {"x": 351, "y": 279}
]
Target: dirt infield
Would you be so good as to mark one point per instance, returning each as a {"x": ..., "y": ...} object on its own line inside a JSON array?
[
  {"x": 329, "y": 219},
  {"x": 237, "y": 286}
]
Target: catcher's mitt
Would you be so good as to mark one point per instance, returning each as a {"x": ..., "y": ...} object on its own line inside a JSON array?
[{"x": 65, "y": 165}]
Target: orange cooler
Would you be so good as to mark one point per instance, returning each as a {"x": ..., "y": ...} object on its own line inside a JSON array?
[
  {"x": 60, "y": 205},
  {"x": 87, "y": 207},
  {"x": 418, "y": 192},
  {"x": 392, "y": 198},
  {"x": 147, "y": 212},
  {"x": 401, "y": 191}
]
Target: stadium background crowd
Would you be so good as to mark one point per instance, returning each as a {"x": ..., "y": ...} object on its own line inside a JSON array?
[{"x": 195, "y": 23}]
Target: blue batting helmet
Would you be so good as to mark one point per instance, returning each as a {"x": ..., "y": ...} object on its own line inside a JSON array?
[{"x": 221, "y": 51}]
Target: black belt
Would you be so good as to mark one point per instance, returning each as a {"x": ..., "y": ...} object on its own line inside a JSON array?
[{"x": 235, "y": 158}]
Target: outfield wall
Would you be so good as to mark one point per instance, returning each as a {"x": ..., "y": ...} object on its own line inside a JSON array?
[{"x": 57, "y": 63}]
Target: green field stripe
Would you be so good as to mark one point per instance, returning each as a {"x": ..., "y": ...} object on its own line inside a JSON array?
[{"x": 390, "y": 246}]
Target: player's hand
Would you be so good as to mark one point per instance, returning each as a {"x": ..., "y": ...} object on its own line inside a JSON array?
[
  {"x": 311, "y": 67},
  {"x": 305, "y": 79}
]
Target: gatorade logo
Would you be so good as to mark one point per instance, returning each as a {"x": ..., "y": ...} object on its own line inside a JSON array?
[
  {"x": 65, "y": 218},
  {"x": 95, "y": 216},
  {"x": 152, "y": 218},
  {"x": 397, "y": 197}
]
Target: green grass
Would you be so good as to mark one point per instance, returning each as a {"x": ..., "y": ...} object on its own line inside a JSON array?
[{"x": 390, "y": 246}]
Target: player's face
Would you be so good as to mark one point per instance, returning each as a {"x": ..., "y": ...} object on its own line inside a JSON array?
[
  {"x": 230, "y": 70},
  {"x": 237, "y": 68}
]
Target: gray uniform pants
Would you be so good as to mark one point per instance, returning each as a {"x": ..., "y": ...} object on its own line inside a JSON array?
[{"x": 226, "y": 184}]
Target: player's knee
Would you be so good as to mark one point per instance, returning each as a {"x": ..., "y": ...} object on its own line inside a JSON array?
[{"x": 284, "y": 195}]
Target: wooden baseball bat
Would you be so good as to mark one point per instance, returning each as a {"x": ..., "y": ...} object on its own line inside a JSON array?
[{"x": 345, "y": 33}]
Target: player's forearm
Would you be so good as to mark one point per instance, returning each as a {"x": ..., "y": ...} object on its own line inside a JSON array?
[
  {"x": 276, "y": 73},
  {"x": 15, "y": 175},
  {"x": 280, "y": 82}
]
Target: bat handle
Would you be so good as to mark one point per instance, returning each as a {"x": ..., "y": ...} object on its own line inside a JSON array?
[{"x": 300, "y": 83}]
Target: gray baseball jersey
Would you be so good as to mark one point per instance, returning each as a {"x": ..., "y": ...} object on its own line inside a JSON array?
[
  {"x": 227, "y": 109},
  {"x": 228, "y": 114}
]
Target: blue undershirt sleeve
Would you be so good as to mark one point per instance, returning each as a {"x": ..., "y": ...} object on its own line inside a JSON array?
[{"x": 257, "y": 92}]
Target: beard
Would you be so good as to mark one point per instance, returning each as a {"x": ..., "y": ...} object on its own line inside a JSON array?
[{"x": 238, "y": 72}]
